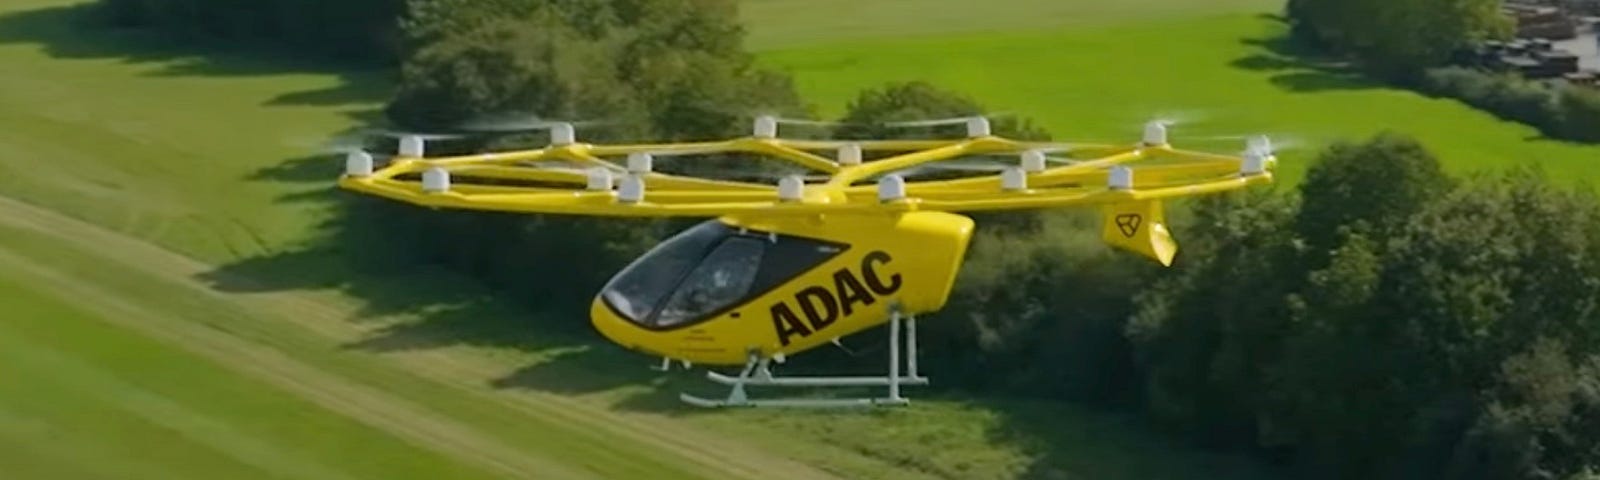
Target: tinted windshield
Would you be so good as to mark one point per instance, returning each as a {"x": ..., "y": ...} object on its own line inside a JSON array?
[
  {"x": 721, "y": 280},
  {"x": 708, "y": 269},
  {"x": 639, "y": 289}
]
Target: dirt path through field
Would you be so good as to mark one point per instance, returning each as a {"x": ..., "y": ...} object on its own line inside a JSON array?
[{"x": 327, "y": 315}]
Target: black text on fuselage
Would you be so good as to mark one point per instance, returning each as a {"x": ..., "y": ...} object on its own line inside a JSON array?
[{"x": 822, "y": 306}]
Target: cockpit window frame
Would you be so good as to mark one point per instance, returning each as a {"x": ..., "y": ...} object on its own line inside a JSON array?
[{"x": 757, "y": 289}]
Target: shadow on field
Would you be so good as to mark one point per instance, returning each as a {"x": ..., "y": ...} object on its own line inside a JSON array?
[
  {"x": 1296, "y": 67},
  {"x": 416, "y": 304},
  {"x": 1071, "y": 442},
  {"x": 76, "y": 32}
]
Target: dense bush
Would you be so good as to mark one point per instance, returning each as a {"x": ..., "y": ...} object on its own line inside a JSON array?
[
  {"x": 1579, "y": 111},
  {"x": 1397, "y": 38},
  {"x": 1564, "y": 112},
  {"x": 1040, "y": 302},
  {"x": 1041, "y": 313},
  {"x": 1454, "y": 343},
  {"x": 648, "y": 69}
]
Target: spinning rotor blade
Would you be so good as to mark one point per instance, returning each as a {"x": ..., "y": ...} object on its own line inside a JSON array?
[
  {"x": 361, "y": 137},
  {"x": 807, "y": 122},
  {"x": 1268, "y": 144},
  {"x": 935, "y": 122},
  {"x": 503, "y": 123},
  {"x": 1173, "y": 118}
]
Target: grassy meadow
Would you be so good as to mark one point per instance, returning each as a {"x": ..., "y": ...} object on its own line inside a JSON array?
[
  {"x": 1098, "y": 73},
  {"x": 178, "y": 302}
]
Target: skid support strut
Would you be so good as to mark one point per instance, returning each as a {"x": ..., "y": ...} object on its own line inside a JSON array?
[{"x": 757, "y": 372}]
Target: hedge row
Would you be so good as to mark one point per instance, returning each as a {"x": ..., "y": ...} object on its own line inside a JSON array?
[{"x": 1559, "y": 111}]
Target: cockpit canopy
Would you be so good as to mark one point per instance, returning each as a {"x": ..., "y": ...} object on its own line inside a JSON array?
[{"x": 707, "y": 270}]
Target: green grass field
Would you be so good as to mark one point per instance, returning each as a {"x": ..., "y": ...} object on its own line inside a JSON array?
[
  {"x": 791, "y": 23},
  {"x": 86, "y": 399},
  {"x": 177, "y": 306},
  {"x": 1099, "y": 74}
]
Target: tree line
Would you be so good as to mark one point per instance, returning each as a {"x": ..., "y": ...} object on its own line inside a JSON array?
[{"x": 1381, "y": 320}]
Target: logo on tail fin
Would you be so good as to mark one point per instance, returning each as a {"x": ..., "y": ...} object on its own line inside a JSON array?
[{"x": 1129, "y": 224}]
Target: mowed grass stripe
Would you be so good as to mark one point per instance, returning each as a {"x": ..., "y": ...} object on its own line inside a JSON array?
[
  {"x": 52, "y": 432},
  {"x": 611, "y": 444},
  {"x": 71, "y": 387},
  {"x": 400, "y": 418}
]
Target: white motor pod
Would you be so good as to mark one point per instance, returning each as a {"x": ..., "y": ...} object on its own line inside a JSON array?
[
  {"x": 599, "y": 179},
  {"x": 640, "y": 163},
  {"x": 411, "y": 146},
  {"x": 1033, "y": 161},
  {"x": 632, "y": 189},
  {"x": 891, "y": 188},
  {"x": 1155, "y": 133},
  {"x": 791, "y": 188},
  {"x": 1121, "y": 178},
  {"x": 435, "y": 180},
  {"x": 850, "y": 154},
  {"x": 358, "y": 164},
  {"x": 1255, "y": 163},
  {"x": 978, "y": 127},
  {"x": 766, "y": 127},
  {"x": 1259, "y": 144},
  {"x": 562, "y": 134},
  {"x": 1013, "y": 179}
]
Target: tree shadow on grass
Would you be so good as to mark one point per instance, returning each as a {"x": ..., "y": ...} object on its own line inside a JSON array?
[
  {"x": 77, "y": 32},
  {"x": 415, "y": 303},
  {"x": 1069, "y": 442},
  {"x": 1296, "y": 67}
]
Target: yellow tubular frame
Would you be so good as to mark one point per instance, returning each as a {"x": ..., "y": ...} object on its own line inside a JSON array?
[{"x": 1170, "y": 173}]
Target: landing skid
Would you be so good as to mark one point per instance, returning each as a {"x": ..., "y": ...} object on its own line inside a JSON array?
[{"x": 757, "y": 372}]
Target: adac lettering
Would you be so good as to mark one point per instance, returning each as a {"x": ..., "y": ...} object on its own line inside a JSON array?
[{"x": 822, "y": 306}]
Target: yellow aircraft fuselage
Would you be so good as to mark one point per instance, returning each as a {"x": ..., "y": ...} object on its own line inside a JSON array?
[{"x": 781, "y": 285}]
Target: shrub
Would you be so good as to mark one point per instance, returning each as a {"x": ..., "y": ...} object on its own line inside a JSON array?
[
  {"x": 1565, "y": 112},
  {"x": 1580, "y": 114}
]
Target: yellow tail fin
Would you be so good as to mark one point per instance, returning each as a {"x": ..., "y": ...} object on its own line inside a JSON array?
[{"x": 1139, "y": 227}]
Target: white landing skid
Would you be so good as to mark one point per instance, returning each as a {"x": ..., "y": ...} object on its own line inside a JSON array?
[{"x": 757, "y": 373}]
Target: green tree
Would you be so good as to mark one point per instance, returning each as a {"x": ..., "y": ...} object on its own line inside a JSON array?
[
  {"x": 1388, "y": 332},
  {"x": 1476, "y": 277},
  {"x": 1207, "y": 332},
  {"x": 1543, "y": 419},
  {"x": 1040, "y": 304},
  {"x": 1370, "y": 188},
  {"x": 648, "y": 70},
  {"x": 1399, "y": 37},
  {"x": 1579, "y": 116},
  {"x": 907, "y": 101}
]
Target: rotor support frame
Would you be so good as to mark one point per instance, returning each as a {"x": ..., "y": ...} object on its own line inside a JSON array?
[
  {"x": 514, "y": 182},
  {"x": 757, "y": 372}
]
